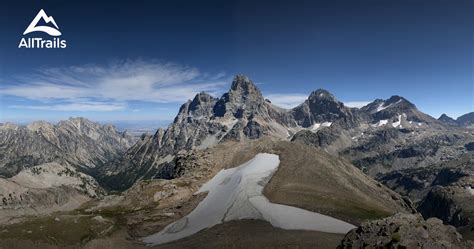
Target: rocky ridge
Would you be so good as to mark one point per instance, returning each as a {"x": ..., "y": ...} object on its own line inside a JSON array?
[
  {"x": 76, "y": 141},
  {"x": 405, "y": 231}
]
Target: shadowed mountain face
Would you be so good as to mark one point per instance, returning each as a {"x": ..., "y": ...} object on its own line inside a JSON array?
[
  {"x": 448, "y": 120},
  {"x": 321, "y": 106},
  {"x": 385, "y": 135},
  {"x": 396, "y": 105},
  {"x": 466, "y": 119}
]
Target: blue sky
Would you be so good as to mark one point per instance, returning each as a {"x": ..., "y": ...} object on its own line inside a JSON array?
[{"x": 140, "y": 60}]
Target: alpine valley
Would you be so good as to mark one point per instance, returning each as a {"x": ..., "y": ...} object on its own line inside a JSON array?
[{"x": 240, "y": 172}]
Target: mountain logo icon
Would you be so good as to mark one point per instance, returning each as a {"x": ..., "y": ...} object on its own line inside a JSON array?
[{"x": 48, "y": 19}]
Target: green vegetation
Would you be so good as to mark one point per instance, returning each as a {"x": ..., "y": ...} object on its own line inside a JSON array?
[
  {"x": 396, "y": 237},
  {"x": 348, "y": 210},
  {"x": 59, "y": 230}
]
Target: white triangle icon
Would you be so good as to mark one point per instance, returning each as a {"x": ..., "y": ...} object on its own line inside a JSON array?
[{"x": 49, "y": 30}]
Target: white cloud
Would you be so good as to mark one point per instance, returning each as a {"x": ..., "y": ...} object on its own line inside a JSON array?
[
  {"x": 287, "y": 100},
  {"x": 356, "y": 104},
  {"x": 121, "y": 81},
  {"x": 80, "y": 106}
]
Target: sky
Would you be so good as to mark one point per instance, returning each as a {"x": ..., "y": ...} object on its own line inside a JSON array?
[{"x": 138, "y": 61}]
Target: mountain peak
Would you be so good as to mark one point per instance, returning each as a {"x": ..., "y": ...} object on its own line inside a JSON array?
[
  {"x": 321, "y": 106},
  {"x": 396, "y": 102},
  {"x": 321, "y": 94},
  {"x": 243, "y": 94},
  {"x": 243, "y": 84},
  {"x": 9, "y": 126},
  {"x": 40, "y": 124},
  {"x": 447, "y": 119},
  {"x": 395, "y": 99},
  {"x": 444, "y": 116}
]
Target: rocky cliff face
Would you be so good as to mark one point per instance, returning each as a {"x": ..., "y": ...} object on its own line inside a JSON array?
[
  {"x": 466, "y": 120},
  {"x": 441, "y": 202},
  {"x": 45, "y": 167},
  {"x": 404, "y": 231},
  {"x": 442, "y": 190},
  {"x": 393, "y": 107},
  {"x": 321, "y": 106}
]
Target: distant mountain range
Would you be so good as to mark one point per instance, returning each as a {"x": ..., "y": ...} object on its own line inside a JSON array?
[
  {"x": 466, "y": 120},
  {"x": 332, "y": 160}
]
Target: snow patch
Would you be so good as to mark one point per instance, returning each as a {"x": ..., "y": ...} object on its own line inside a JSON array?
[
  {"x": 380, "y": 107},
  {"x": 235, "y": 194},
  {"x": 398, "y": 123},
  {"x": 326, "y": 124},
  {"x": 383, "y": 107},
  {"x": 316, "y": 126},
  {"x": 470, "y": 190},
  {"x": 380, "y": 123}
]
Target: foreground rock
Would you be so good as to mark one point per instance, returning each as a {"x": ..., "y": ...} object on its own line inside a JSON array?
[{"x": 405, "y": 231}]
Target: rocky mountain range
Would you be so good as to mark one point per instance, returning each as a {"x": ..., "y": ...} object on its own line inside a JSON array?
[
  {"x": 466, "y": 120},
  {"x": 77, "y": 141},
  {"x": 383, "y": 136},
  {"x": 47, "y": 167},
  {"x": 353, "y": 164}
]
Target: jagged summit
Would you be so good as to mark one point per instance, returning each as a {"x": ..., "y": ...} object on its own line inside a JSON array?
[
  {"x": 321, "y": 106},
  {"x": 242, "y": 99},
  {"x": 447, "y": 119},
  {"x": 395, "y": 109},
  {"x": 9, "y": 126},
  {"x": 321, "y": 94},
  {"x": 445, "y": 116},
  {"x": 78, "y": 142},
  {"x": 40, "y": 124},
  {"x": 400, "y": 101},
  {"x": 200, "y": 105},
  {"x": 394, "y": 102},
  {"x": 241, "y": 81}
]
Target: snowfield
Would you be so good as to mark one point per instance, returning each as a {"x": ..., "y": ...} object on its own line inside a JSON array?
[
  {"x": 470, "y": 190},
  {"x": 236, "y": 193}
]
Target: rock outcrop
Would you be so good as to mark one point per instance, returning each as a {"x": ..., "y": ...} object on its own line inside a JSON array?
[
  {"x": 404, "y": 231},
  {"x": 441, "y": 202}
]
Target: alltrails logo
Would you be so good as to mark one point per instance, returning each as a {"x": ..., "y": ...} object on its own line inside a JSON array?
[{"x": 38, "y": 42}]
